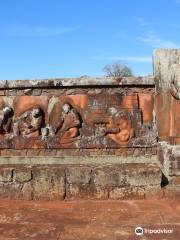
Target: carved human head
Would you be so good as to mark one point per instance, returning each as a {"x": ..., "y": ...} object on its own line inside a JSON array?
[
  {"x": 36, "y": 112},
  {"x": 7, "y": 110},
  {"x": 66, "y": 107}
]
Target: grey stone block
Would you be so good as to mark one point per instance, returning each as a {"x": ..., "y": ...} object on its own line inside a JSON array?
[
  {"x": 6, "y": 174},
  {"x": 22, "y": 175},
  {"x": 49, "y": 184}
]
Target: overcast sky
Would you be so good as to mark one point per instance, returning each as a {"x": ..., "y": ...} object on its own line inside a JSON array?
[{"x": 70, "y": 38}]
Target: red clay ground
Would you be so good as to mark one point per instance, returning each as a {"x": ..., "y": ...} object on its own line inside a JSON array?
[{"x": 88, "y": 220}]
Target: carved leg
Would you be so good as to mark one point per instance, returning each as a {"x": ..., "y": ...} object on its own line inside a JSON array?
[{"x": 69, "y": 135}]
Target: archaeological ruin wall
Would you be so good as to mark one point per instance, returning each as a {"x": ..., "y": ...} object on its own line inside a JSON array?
[
  {"x": 92, "y": 138},
  {"x": 76, "y": 116}
]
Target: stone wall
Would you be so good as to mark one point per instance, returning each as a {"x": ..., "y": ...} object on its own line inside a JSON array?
[
  {"x": 77, "y": 116},
  {"x": 89, "y": 178},
  {"x": 92, "y": 138}
]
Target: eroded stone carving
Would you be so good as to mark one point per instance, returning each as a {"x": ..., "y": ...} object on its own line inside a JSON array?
[
  {"x": 122, "y": 129},
  {"x": 175, "y": 80},
  {"x": 29, "y": 124},
  {"x": 6, "y": 115},
  {"x": 117, "y": 127},
  {"x": 67, "y": 124},
  {"x": 77, "y": 121}
]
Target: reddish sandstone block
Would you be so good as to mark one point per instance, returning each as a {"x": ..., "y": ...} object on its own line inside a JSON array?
[
  {"x": 79, "y": 101},
  {"x": 24, "y": 103},
  {"x": 163, "y": 113},
  {"x": 146, "y": 104},
  {"x": 2, "y": 102}
]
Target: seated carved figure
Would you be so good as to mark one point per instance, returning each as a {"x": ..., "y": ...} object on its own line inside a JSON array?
[
  {"x": 67, "y": 125},
  {"x": 6, "y": 115},
  {"x": 118, "y": 129},
  {"x": 29, "y": 123},
  {"x": 124, "y": 131}
]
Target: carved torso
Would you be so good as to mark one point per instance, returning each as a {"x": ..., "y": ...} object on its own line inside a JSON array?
[
  {"x": 70, "y": 120},
  {"x": 27, "y": 124}
]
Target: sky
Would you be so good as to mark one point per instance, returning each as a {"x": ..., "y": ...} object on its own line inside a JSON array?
[{"x": 71, "y": 38}]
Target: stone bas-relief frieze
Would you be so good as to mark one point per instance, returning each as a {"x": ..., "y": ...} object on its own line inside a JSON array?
[
  {"x": 118, "y": 128},
  {"x": 77, "y": 121},
  {"x": 6, "y": 116},
  {"x": 65, "y": 124},
  {"x": 29, "y": 123}
]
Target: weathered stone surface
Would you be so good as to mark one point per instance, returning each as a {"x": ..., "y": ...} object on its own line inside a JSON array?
[
  {"x": 167, "y": 108},
  {"x": 27, "y": 191},
  {"x": 146, "y": 104},
  {"x": 127, "y": 193},
  {"x": 143, "y": 175},
  {"x": 123, "y": 120},
  {"x": 81, "y": 181},
  {"x": 78, "y": 175},
  {"x": 163, "y": 59},
  {"x": 22, "y": 175},
  {"x": 6, "y": 174},
  {"x": 24, "y": 103},
  {"x": 10, "y": 190},
  {"x": 109, "y": 176},
  {"x": 169, "y": 157},
  {"x": 48, "y": 183},
  {"x": 121, "y": 181},
  {"x": 83, "y": 160},
  {"x": 2, "y": 92},
  {"x": 31, "y": 91},
  {"x": 127, "y": 175},
  {"x": 167, "y": 75},
  {"x": 82, "y": 81}
]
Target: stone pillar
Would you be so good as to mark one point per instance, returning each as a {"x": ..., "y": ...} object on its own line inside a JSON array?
[{"x": 166, "y": 64}]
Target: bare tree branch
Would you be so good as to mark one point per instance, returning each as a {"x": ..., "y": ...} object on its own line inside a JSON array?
[{"x": 118, "y": 69}]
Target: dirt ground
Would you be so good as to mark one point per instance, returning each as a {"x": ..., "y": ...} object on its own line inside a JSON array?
[{"x": 89, "y": 220}]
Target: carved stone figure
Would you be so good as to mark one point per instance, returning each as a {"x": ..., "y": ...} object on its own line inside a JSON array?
[
  {"x": 29, "y": 123},
  {"x": 6, "y": 115},
  {"x": 175, "y": 80},
  {"x": 68, "y": 124},
  {"x": 118, "y": 129},
  {"x": 123, "y": 130}
]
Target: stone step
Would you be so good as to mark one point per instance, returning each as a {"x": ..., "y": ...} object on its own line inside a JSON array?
[{"x": 81, "y": 178}]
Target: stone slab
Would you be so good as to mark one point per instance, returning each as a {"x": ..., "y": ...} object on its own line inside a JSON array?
[
  {"x": 81, "y": 160},
  {"x": 71, "y": 82}
]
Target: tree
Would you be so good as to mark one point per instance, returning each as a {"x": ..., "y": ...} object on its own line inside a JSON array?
[{"x": 118, "y": 69}]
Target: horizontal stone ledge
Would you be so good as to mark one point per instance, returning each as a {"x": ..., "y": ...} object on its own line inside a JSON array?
[
  {"x": 95, "y": 160},
  {"x": 75, "y": 82}
]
